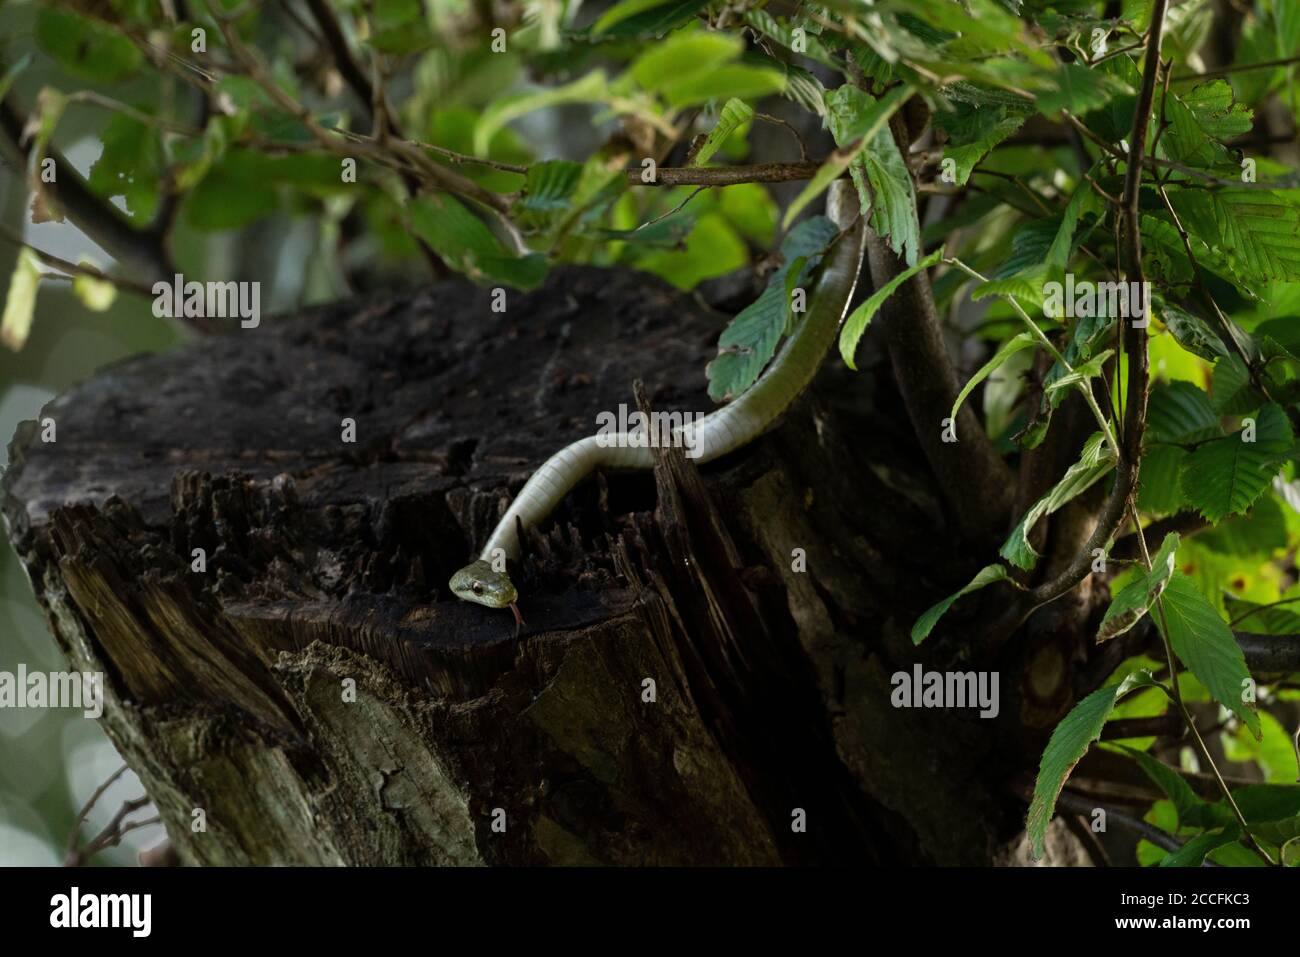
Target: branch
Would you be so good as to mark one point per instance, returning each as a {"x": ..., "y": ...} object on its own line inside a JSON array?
[
  {"x": 349, "y": 69},
  {"x": 726, "y": 175},
  {"x": 137, "y": 249},
  {"x": 1168, "y": 725},
  {"x": 976, "y": 483},
  {"x": 74, "y": 269},
  {"x": 437, "y": 175},
  {"x": 1238, "y": 68},
  {"x": 1134, "y": 341},
  {"x": 1077, "y": 804},
  {"x": 1269, "y": 654},
  {"x": 1185, "y": 524}
]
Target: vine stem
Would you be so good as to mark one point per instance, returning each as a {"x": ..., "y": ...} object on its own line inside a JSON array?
[
  {"x": 1082, "y": 385},
  {"x": 1176, "y": 696}
]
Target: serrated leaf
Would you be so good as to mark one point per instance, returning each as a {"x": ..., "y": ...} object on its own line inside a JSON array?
[
  {"x": 1192, "y": 332},
  {"x": 1256, "y": 231},
  {"x": 856, "y": 324},
  {"x": 750, "y": 339},
  {"x": 653, "y": 17},
  {"x": 733, "y": 115},
  {"x": 1022, "y": 288},
  {"x": 1068, "y": 744},
  {"x": 1262, "y": 619},
  {"x": 892, "y": 196},
  {"x": 857, "y": 120},
  {"x": 1198, "y": 121},
  {"x": 1079, "y": 90},
  {"x": 984, "y": 577},
  {"x": 1094, "y": 463},
  {"x": 549, "y": 185},
  {"x": 1231, "y": 390},
  {"x": 1204, "y": 643},
  {"x": 1136, "y": 598},
  {"x": 1159, "y": 492},
  {"x": 1225, "y": 476},
  {"x": 20, "y": 303},
  {"x": 1179, "y": 413},
  {"x": 1081, "y": 373},
  {"x": 972, "y": 133}
]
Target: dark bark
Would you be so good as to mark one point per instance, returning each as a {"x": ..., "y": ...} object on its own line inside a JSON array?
[{"x": 327, "y": 563}]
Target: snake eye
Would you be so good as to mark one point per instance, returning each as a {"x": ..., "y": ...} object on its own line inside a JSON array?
[{"x": 476, "y": 588}]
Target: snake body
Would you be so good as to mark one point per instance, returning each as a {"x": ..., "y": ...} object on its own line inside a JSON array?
[{"x": 725, "y": 430}]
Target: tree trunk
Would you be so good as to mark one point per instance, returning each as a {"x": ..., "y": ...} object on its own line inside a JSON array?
[{"x": 707, "y": 657}]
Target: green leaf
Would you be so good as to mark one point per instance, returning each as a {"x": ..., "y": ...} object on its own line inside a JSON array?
[
  {"x": 1019, "y": 343},
  {"x": 1231, "y": 390},
  {"x": 1192, "y": 854},
  {"x": 1257, "y": 231},
  {"x": 591, "y": 88},
  {"x": 1080, "y": 90},
  {"x": 130, "y": 166},
  {"x": 1018, "y": 287},
  {"x": 1159, "y": 492},
  {"x": 733, "y": 115},
  {"x": 466, "y": 244},
  {"x": 548, "y": 186},
  {"x": 97, "y": 295},
  {"x": 1198, "y": 121},
  {"x": 655, "y": 17},
  {"x": 733, "y": 80},
  {"x": 1068, "y": 744},
  {"x": 984, "y": 577},
  {"x": 1192, "y": 332},
  {"x": 20, "y": 303},
  {"x": 1254, "y": 617},
  {"x": 1225, "y": 476},
  {"x": 1204, "y": 643},
  {"x": 1192, "y": 811},
  {"x": 1094, "y": 463},
  {"x": 1082, "y": 202},
  {"x": 85, "y": 48},
  {"x": 1080, "y": 374},
  {"x": 765, "y": 23},
  {"x": 856, "y": 324},
  {"x": 1137, "y": 597},
  {"x": 972, "y": 133},
  {"x": 750, "y": 339},
  {"x": 856, "y": 120},
  {"x": 683, "y": 56},
  {"x": 235, "y": 192},
  {"x": 892, "y": 196},
  {"x": 1179, "y": 413}
]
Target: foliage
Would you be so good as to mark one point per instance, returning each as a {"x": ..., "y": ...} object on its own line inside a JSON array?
[{"x": 988, "y": 142}]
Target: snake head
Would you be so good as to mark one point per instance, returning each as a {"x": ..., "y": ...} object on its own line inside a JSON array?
[{"x": 480, "y": 583}]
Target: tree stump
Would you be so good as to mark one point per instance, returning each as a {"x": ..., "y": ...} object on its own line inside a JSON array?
[{"x": 704, "y": 674}]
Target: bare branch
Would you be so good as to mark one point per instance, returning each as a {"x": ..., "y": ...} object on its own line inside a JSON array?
[{"x": 726, "y": 175}]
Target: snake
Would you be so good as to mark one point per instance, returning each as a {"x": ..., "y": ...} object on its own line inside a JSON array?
[{"x": 486, "y": 581}]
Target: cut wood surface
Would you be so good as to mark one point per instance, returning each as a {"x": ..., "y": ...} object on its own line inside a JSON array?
[{"x": 683, "y": 689}]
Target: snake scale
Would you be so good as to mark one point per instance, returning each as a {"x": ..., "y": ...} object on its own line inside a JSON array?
[{"x": 485, "y": 580}]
